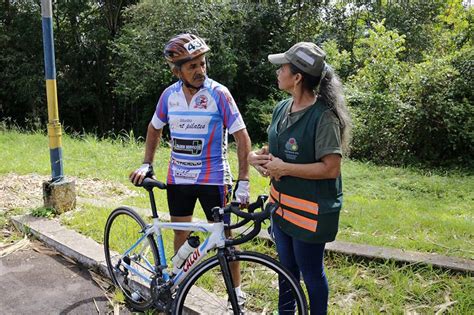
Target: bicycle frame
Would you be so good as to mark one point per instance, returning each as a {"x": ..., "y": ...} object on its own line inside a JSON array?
[
  {"x": 149, "y": 283},
  {"x": 215, "y": 240}
]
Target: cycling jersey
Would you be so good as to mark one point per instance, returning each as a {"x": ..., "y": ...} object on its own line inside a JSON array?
[{"x": 198, "y": 132}]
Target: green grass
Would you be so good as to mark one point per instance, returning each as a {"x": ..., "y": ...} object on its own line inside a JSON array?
[
  {"x": 361, "y": 287},
  {"x": 356, "y": 286},
  {"x": 43, "y": 212},
  {"x": 407, "y": 209},
  {"x": 387, "y": 206}
]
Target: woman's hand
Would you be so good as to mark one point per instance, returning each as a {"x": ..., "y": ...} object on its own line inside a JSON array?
[
  {"x": 275, "y": 168},
  {"x": 258, "y": 159}
]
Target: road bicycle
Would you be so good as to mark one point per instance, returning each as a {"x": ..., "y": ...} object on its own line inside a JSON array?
[{"x": 137, "y": 263}]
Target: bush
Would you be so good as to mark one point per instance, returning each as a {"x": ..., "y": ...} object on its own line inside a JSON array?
[
  {"x": 258, "y": 116},
  {"x": 441, "y": 110},
  {"x": 411, "y": 113},
  {"x": 379, "y": 128}
]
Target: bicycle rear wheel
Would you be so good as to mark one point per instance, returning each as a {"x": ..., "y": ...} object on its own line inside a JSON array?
[
  {"x": 130, "y": 270},
  {"x": 268, "y": 286}
]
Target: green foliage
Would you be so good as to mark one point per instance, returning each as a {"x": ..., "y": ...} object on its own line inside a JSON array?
[
  {"x": 440, "y": 106},
  {"x": 407, "y": 66},
  {"x": 43, "y": 212},
  {"x": 258, "y": 118},
  {"x": 240, "y": 36},
  {"x": 378, "y": 55},
  {"x": 377, "y": 128},
  {"x": 340, "y": 60},
  {"x": 413, "y": 19},
  {"x": 22, "y": 72},
  {"x": 411, "y": 113},
  {"x": 372, "y": 95}
]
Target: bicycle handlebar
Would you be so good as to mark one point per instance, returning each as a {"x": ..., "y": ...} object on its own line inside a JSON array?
[
  {"x": 257, "y": 217},
  {"x": 149, "y": 183},
  {"x": 234, "y": 207}
]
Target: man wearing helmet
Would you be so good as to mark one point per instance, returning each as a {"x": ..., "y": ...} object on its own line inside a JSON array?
[{"x": 200, "y": 113}]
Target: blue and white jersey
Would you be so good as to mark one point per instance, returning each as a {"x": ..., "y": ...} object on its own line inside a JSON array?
[{"x": 198, "y": 132}]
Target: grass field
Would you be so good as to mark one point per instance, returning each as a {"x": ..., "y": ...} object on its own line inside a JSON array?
[
  {"x": 398, "y": 207},
  {"x": 386, "y": 206}
]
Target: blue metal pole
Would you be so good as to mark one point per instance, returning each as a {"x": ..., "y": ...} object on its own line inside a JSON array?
[{"x": 54, "y": 127}]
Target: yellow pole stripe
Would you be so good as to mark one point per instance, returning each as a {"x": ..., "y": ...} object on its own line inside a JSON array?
[
  {"x": 54, "y": 134},
  {"x": 52, "y": 96},
  {"x": 54, "y": 127}
]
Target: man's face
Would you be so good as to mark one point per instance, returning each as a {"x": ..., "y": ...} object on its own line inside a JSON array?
[{"x": 194, "y": 71}]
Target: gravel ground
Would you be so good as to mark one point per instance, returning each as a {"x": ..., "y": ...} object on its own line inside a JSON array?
[{"x": 26, "y": 191}]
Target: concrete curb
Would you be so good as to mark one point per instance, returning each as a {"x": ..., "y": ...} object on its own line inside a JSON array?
[
  {"x": 79, "y": 248},
  {"x": 89, "y": 253},
  {"x": 403, "y": 256}
]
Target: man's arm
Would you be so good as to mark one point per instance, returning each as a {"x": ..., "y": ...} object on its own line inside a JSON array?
[
  {"x": 243, "y": 149},
  {"x": 153, "y": 137}
]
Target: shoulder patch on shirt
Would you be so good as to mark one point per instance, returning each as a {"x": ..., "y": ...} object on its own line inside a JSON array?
[{"x": 230, "y": 100}]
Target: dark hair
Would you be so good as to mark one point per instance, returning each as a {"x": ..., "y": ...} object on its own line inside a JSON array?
[
  {"x": 309, "y": 82},
  {"x": 330, "y": 90}
]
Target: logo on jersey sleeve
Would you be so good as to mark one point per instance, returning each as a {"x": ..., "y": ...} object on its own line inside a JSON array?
[
  {"x": 188, "y": 146},
  {"x": 231, "y": 102}
]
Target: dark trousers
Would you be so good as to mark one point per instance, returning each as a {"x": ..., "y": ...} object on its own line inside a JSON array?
[{"x": 306, "y": 259}]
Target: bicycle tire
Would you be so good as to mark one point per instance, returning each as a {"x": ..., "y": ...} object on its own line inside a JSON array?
[
  {"x": 123, "y": 228},
  {"x": 204, "y": 291}
]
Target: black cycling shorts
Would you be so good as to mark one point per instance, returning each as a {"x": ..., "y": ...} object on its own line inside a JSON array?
[{"x": 182, "y": 199}]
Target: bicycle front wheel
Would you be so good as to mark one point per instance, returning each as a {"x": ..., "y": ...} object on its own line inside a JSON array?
[
  {"x": 268, "y": 288},
  {"x": 131, "y": 265}
]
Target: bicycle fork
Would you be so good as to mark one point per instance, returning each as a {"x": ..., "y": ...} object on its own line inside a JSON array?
[{"x": 229, "y": 283}]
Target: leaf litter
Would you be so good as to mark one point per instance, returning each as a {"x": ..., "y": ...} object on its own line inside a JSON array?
[{"x": 26, "y": 191}]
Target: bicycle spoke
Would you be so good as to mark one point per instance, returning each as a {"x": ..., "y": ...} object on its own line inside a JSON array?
[
  {"x": 133, "y": 272},
  {"x": 260, "y": 278}
]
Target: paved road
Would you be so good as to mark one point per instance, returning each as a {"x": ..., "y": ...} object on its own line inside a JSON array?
[{"x": 43, "y": 282}]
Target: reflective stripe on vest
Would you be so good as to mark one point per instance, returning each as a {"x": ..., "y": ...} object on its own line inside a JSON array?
[{"x": 295, "y": 203}]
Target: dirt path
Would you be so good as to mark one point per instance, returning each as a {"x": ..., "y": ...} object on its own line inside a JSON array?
[{"x": 26, "y": 191}]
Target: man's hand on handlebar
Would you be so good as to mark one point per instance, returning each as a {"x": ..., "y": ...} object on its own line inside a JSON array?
[
  {"x": 234, "y": 208},
  {"x": 242, "y": 193},
  {"x": 145, "y": 170},
  {"x": 250, "y": 215}
]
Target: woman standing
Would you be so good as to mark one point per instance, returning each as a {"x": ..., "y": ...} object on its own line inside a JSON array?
[{"x": 307, "y": 136}]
